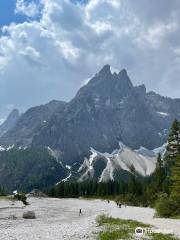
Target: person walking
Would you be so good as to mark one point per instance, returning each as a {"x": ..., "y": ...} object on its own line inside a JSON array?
[{"x": 80, "y": 212}]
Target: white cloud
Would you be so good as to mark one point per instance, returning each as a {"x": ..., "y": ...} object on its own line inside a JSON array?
[
  {"x": 155, "y": 34},
  {"x": 51, "y": 57},
  {"x": 31, "y": 52},
  {"x": 68, "y": 50},
  {"x": 30, "y": 9}
]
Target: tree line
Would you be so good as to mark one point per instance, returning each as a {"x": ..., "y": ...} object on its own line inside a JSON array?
[{"x": 160, "y": 190}]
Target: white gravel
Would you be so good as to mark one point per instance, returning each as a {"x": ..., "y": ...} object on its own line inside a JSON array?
[{"x": 58, "y": 219}]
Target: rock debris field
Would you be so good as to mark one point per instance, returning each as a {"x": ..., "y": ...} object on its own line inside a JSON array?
[{"x": 58, "y": 219}]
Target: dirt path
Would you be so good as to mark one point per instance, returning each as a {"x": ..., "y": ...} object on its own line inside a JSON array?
[{"x": 59, "y": 219}]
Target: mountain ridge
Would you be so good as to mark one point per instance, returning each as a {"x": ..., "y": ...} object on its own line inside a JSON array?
[
  {"x": 106, "y": 110},
  {"x": 9, "y": 122}
]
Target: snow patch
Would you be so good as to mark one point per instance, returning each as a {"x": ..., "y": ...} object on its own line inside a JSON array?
[
  {"x": 143, "y": 160},
  {"x": 161, "y": 150},
  {"x": 66, "y": 179},
  {"x": 145, "y": 152},
  {"x": 163, "y": 114},
  {"x": 2, "y": 149},
  {"x": 68, "y": 167}
]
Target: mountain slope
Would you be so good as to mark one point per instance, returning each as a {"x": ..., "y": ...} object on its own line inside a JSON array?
[
  {"x": 9, "y": 122},
  {"x": 26, "y": 169},
  {"x": 117, "y": 165},
  {"x": 107, "y": 110},
  {"x": 30, "y": 123}
]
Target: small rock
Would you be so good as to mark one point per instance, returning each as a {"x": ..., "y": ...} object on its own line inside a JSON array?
[
  {"x": 29, "y": 215},
  {"x": 12, "y": 217}
]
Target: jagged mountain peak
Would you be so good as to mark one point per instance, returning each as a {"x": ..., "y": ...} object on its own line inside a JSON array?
[
  {"x": 106, "y": 70},
  {"x": 108, "y": 109},
  {"x": 107, "y": 85},
  {"x": 10, "y": 121},
  {"x": 123, "y": 72},
  {"x": 14, "y": 112},
  {"x": 124, "y": 80}
]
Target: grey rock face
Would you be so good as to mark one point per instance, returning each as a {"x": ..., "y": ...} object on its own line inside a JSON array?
[
  {"x": 104, "y": 167},
  {"x": 31, "y": 123},
  {"x": 107, "y": 110},
  {"x": 9, "y": 122}
]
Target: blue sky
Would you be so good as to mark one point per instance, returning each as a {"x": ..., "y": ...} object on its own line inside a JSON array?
[
  {"x": 52, "y": 57},
  {"x": 7, "y": 14}
]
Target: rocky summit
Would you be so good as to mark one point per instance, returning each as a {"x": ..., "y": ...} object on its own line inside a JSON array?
[
  {"x": 105, "y": 111},
  {"x": 10, "y": 122}
]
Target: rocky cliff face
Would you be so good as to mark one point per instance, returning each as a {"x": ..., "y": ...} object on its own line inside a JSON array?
[
  {"x": 31, "y": 123},
  {"x": 107, "y": 110},
  {"x": 9, "y": 122}
]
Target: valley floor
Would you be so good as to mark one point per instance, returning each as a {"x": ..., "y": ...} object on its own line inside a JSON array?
[{"x": 58, "y": 219}]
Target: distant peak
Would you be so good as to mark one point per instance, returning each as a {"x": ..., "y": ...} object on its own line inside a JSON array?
[
  {"x": 14, "y": 112},
  {"x": 123, "y": 77},
  {"x": 105, "y": 70},
  {"x": 123, "y": 72}
]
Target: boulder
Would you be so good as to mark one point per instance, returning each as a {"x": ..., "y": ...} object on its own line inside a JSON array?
[{"x": 29, "y": 215}]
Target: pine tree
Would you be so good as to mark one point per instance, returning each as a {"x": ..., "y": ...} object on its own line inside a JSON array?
[
  {"x": 159, "y": 175},
  {"x": 173, "y": 147},
  {"x": 2, "y": 191},
  {"x": 170, "y": 205},
  {"x": 175, "y": 178},
  {"x": 173, "y": 150}
]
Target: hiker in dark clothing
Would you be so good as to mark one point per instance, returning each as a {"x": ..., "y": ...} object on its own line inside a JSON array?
[{"x": 80, "y": 212}]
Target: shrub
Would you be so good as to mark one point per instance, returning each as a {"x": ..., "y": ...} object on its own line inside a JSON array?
[
  {"x": 21, "y": 197},
  {"x": 165, "y": 206}
]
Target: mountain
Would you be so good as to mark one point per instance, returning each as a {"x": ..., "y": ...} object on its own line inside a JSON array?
[
  {"x": 26, "y": 169},
  {"x": 9, "y": 122},
  {"x": 31, "y": 123},
  {"x": 117, "y": 165},
  {"x": 107, "y": 110}
]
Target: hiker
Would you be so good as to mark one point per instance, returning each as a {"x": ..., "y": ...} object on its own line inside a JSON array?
[
  {"x": 80, "y": 212},
  {"x": 119, "y": 204}
]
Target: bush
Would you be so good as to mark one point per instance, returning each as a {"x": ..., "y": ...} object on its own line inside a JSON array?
[
  {"x": 21, "y": 197},
  {"x": 2, "y": 191},
  {"x": 176, "y": 202},
  {"x": 165, "y": 206}
]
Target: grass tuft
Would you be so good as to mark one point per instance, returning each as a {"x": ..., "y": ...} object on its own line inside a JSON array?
[{"x": 115, "y": 229}]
